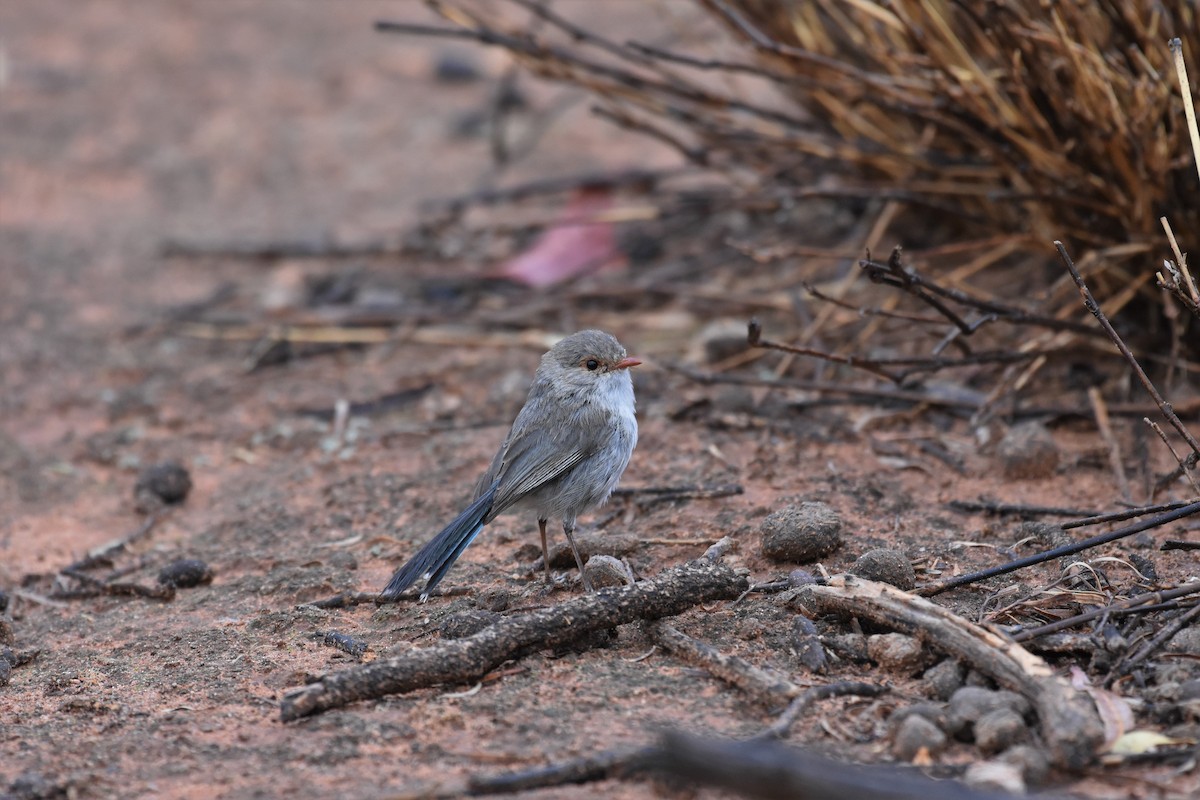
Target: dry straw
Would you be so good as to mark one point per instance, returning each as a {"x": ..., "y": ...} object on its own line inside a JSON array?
[{"x": 1040, "y": 120}]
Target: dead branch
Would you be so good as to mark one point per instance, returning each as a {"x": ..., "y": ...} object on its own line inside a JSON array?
[
  {"x": 1070, "y": 726},
  {"x": 916, "y": 365},
  {"x": 764, "y": 686},
  {"x": 1121, "y": 516},
  {"x": 1016, "y": 509},
  {"x": 684, "y": 492},
  {"x": 279, "y": 249},
  {"x": 771, "y": 771},
  {"x": 894, "y": 273},
  {"x": 585, "y": 769},
  {"x": 782, "y": 727},
  {"x": 341, "y": 641},
  {"x": 933, "y": 397},
  {"x": 349, "y": 599},
  {"x": 1049, "y": 555},
  {"x": 95, "y": 587},
  {"x": 1173, "y": 544},
  {"x": 673, "y": 591},
  {"x": 105, "y": 553}
]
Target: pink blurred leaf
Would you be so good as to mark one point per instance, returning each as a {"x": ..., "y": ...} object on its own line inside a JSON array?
[{"x": 571, "y": 248}]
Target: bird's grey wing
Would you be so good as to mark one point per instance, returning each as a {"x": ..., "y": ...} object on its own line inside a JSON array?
[{"x": 537, "y": 452}]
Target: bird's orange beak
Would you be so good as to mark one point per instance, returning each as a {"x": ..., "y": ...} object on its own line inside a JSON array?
[{"x": 626, "y": 363}]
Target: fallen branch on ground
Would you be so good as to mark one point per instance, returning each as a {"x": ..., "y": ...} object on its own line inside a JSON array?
[
  {"x": 1070, "y": 725},
  {"x": 463, "y": 660},
  {"x": 1049, "y": 555},
  {"x": 769, "y": 770}
]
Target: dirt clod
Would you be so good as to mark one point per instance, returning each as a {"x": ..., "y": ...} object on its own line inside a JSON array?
[
  {"x": 168, "y": 483},
  {"x": 850, "y": 646},
  {"x": 1032, "y": 762},
  {"x": 999, "y": 729},
  {"x": 1186, "y": 641},
  {"x": 1028, "y": 452},
  {"x": 186, "y": 573},
  {"x": 887, "y": 566},
  {"x": 915, "y": 733},
  {"x": 493, "y": 599},
  {"x": 801, "y": 533},
  {"x": 971, "y": 703},
  {"x": 944, "y": 679},
  {"x": 607, "y": 571},
  {"x": 895, "y": 652},
  {"x": 806, "y": 645}
]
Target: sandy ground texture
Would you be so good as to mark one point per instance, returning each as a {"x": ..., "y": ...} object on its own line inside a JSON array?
[{"x": 124, "y": 127}]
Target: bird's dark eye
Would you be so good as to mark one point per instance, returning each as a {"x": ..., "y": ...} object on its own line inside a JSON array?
[{"x": 592, "y": 364}]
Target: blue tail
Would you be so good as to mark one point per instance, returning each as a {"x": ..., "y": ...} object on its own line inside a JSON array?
[{"x": 440, "y": 552}]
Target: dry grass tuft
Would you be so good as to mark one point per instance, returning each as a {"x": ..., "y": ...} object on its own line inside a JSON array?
[
  {"x": 1015, "y": 122},
  {"x": 1049, "y": 119}
]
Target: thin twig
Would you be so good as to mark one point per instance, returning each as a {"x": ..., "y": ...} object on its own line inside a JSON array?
[
  {"x": 1184, "y": 465},
  {"x": 1017, "y": 509},
  {"x": 1112, "y": 609},
  {"x": 1162, "y": 637},
  {"x": 1090, "y": 303},
  {"x": 1100, "y": 413},
  {"x": 1070, "y": 549},
  {"x": 1121, "y": 516}
]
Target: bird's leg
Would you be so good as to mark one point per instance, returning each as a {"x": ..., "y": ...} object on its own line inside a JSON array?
[
  {"x": 569, "y": 530},
  {"x": 545, "y": 552}
]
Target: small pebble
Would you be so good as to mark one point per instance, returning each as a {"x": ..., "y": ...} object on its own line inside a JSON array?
[
  {"x": 916, "y": 733},
  {"x": 971, "y": 703},
  {"x": 1030, "y": 760},
  {"x": 850, "y": 646},
  {"x": 999, "y": 730},
  {"x": 1188, "y": 690},
  {"x": 455, "y": 68},
  {"x": 341, "y": 559},
  {"x": 1047, "y": 535},
  {"x": 590, "y": 546},
  {"x": 1186, "y": 641},
  {"x": 944, "y": 679},
  {"x": 185, "y": 573},
  {"x": 996, "y": 775},
  {"x": 1145, "y": 566},
  {"x": 887, "y": 566},
  {"x": 801, "y": 533},
  {"x": 801, "y": 577},
  {"x": 979, "y": 680},
  {"x": 895, "y": 652},
  {"x": 806, "y": 645},
  {"x": 605, "y": 571},
  {"x": 493, "y": 599},
  {"x": 1028, "y": 452},
  {"x": 466, "y": 623},
  {"x": 168, "y": 482}
]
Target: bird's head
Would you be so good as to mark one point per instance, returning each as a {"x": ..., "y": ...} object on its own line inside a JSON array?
[{"x": 589, "y": 358}]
